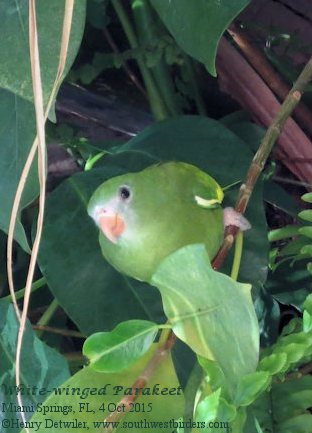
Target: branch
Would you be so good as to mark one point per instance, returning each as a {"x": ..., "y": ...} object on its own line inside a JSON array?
[
  {"x": 60, "y": 331},
  {"x": 261, "y": 157},
  {"x": 125, "y": 404}
]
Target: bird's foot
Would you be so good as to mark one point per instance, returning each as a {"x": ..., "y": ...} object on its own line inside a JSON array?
[{"x": 233, "y": 218}]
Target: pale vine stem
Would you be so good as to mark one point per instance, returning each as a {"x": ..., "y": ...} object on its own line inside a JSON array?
[
  {"x": 69, "y": 5},
  {"x": 245, "y": 192},
  {"x": 40, "y": 145},
  {"x": 40, "y": 121}
]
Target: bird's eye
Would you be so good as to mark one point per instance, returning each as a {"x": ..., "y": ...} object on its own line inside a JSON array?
[{"x": 124, "y": 193}]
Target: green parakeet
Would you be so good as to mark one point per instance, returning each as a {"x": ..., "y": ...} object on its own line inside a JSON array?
[{"x": 143, "y": 217}]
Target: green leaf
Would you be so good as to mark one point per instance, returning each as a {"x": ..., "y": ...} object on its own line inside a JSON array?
[
  {"x": 284, "y": 406},
  {"x": 226, "y": 411},
  {"x": 273, "y": 363},
  {"x": 295, "y": 325},
  {"x": 249, "y": 132},
  {"x": 120, "y": 348},
  {"x": 41, "y": 366},
  {"x": 307, "y": 305},
  {"x": 250, "y": 387},
  {"x": 215, "y": 408},
  {"x": 307, "y": 321},
  {"x": 306, "y": 231},
  {"x": 214, "y": 374},
  {"x": 106, "y": 390},
  {"x": 283, "y": 233},
  {"x": 292, "y": 386},
  {"x": 219, "y": 323},
  {"x": 296, "y": 345},
  {"x": 307, "y": 197},
  {"x": 207, "y": 409},
  {"x": 294, "y": 352},
  {"x": 293, "y": 248},
  {"x": 17, "y": 135},
  {"x": 306, "y": 250},
  {"x": 298, "y": 401},
  {"x": 307, "y": 314},
  {"x": 268, "y": 313},
  {"x": 306, "y": 215},
  {"x": 15, "y": 72},
  {"x": 96, "y": 13},
  {"x": 278, "y": 197},
  {"x": 290, "y": 285},
  {"x": 298, "y": 424},
  {"x": 198, "y": 29}
]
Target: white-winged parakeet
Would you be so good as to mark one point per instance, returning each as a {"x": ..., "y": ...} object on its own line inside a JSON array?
[{"x": 143, "y": 217}]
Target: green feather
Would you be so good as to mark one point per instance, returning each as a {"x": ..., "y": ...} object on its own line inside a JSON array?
[{"x": 171, "y": 205}]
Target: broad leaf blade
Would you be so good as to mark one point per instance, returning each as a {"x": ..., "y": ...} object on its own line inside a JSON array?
[
  {"x": 15, "y": 69},
  {"x": 17, "y": 135},
  {"x": 120, "y": 348},
  {"x": 209, "y": 311},
  {"x": 42, "y": 368},
  {"x": 197, "y": 28}
]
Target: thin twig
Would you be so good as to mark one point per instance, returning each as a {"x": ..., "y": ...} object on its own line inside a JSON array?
[
  {"x": 60, "y": 331},
  {"x": 293, "y": 182},
  {"x": 261, "y": 157},
  {"x": 47, "y": 315},
  {"x": 20, "y": 293}
]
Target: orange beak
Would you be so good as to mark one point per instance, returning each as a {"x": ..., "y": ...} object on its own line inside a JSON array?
[{"x": 112, "y": 226}]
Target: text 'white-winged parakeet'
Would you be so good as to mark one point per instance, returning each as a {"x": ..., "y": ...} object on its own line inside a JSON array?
[{"x": 143, "y": 217}]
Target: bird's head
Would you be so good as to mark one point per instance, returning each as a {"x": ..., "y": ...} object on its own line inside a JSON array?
[{"x": 111, "y": 207}]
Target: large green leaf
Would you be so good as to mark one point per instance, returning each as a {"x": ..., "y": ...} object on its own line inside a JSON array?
[
  {"x": 250, "y": 387},
  {"x": 17, "y": 127},
  {"x": 14, "y": 48},
  {"x": 70, "y": 256},
  {"x": 198, "y": 27},
  {"x": 119, "y": 349},
  {"x": 209, "y": 311},
  {"x": 42, "y": 368},
  {"x": 100, "y": 390}
]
